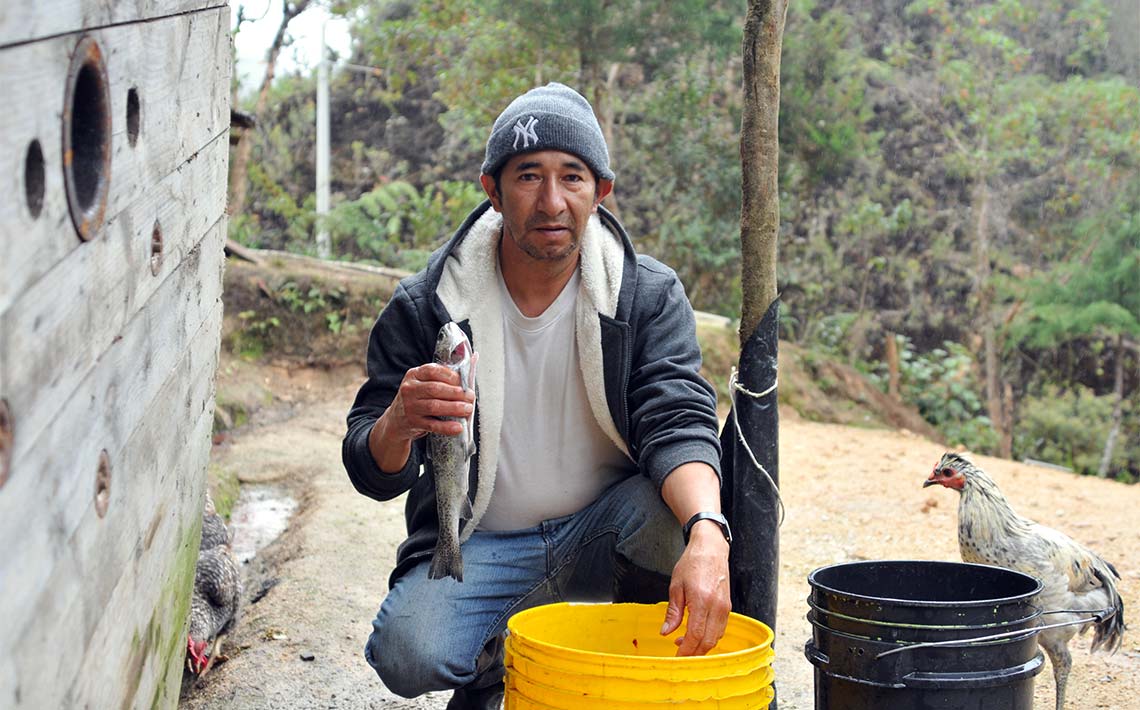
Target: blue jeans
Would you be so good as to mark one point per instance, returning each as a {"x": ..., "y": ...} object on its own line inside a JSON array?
[{"x": 442, "y": 634}]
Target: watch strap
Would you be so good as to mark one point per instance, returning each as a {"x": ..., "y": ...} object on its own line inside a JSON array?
[{"x": 708, "y": 515}]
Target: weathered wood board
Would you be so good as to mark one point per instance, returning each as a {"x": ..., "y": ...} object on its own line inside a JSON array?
[
  {"x": 23, "y": 22},
  {"x": 109, "y": 346}
]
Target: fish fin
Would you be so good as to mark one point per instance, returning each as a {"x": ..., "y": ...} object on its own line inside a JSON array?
[
  {"x": 465, "y": 512},
  {"x": 446, "y": 564}
]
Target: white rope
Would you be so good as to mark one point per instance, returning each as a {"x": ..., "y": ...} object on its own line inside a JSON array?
[{"x": 734, "y": 386}]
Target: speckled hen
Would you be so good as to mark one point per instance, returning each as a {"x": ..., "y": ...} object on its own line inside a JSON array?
[
  {"x": 1075, "y": 579},
  {"x": 216, "y": 595}
]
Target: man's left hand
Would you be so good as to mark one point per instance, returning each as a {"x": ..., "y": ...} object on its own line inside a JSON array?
[{"x": 700, "y": 583}]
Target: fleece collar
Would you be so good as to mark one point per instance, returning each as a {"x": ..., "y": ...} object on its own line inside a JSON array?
[{"x": 468, "y": 289}]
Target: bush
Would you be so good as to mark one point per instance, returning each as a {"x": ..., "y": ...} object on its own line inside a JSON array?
[
  {"x": 942, "y": 384},
  {"x": 1068, "y": 427},
  {"x": 398, "y": 225}
]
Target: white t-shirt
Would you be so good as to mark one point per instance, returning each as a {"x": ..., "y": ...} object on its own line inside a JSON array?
[{"x": 554, "y": 459}]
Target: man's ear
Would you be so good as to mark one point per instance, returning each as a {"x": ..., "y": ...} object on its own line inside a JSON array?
[
  {"x": 488, "y": 184},
  {"x": 605, "y": 187}
]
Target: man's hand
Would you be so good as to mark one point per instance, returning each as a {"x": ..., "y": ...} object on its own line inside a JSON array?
[
  {"x": 700, "y": 582},
  {"x": 426, "y": 393},
  {"x": 700, "y": 577}
]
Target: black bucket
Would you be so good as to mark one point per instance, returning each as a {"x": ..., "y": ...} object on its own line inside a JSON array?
[{"x": 863, "y": 610}]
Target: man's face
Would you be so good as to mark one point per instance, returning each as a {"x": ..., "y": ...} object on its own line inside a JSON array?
[{"x": 546, "y": 199}]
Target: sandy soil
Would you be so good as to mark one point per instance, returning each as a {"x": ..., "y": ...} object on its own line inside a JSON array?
[{"x": 851, "y": 494}]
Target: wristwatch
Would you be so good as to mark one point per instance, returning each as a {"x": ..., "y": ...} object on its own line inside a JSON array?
[{"x": 708, "y": 515}]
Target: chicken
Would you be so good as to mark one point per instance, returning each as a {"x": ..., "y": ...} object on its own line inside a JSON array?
[
  {"x": 214, "y": 530},
  {"x": 1075, "y": 578},
  {"x": 217, "y": 591}
]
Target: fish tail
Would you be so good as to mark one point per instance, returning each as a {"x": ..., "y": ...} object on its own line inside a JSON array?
[{"x": 446, "y": 562}]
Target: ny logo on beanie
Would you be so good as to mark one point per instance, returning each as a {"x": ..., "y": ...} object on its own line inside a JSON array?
[{"x": 525, "y": 132}]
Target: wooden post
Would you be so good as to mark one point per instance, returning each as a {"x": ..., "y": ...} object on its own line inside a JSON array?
[{"x": 892, "y": 350}]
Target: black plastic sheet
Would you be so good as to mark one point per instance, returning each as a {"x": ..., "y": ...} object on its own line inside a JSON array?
[{"x": 747, "y": 497}]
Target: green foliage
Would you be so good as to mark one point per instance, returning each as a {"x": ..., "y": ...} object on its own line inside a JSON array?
[
  {"x": 1095, "y": 294},
  {"x": 471, "y": 60},
  {"x": 249, "y": 342},
  {"x": 823, "y": 104},
  {"x": 307, "y": 300},
  {"x": 690, "y": 183},
  {"x": 942, "y": 384},
  {"x": 277, "y": 220},
  {"x": 651, "y": 31},
  {"x": 399, "y": 225},
  {"x": 1068, "y": 427}
]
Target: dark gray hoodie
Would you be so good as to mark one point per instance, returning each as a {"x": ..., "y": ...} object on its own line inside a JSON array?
[{"x": 639, "y": 355}]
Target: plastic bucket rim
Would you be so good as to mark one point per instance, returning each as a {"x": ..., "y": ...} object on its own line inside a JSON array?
[
  {"x": 899, "y": 625},
  {"x": 767, "y": 633},
  {"x": 1038, "y": 585}
]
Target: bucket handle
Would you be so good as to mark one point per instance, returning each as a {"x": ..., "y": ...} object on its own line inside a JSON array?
[{"x": 1097, "y": 615}]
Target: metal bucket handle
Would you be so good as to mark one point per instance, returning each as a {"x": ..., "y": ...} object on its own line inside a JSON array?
[{"x": 1097, "y": 615}]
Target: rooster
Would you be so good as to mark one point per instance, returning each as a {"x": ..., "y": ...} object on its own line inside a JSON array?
[
  {"x": 217, "y": 590},
  {"x": 1075, "y": 578}
]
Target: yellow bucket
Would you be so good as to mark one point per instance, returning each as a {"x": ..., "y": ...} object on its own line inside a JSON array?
[{"x": 613, "y": 657}]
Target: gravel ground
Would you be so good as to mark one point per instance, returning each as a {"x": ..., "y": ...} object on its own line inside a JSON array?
[{"x": 851, "y": 494}]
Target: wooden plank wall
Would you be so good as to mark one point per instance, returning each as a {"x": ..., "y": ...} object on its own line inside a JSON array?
[
  {"x": 23, "y": 22},
  {"x": 106, "y": 352}
]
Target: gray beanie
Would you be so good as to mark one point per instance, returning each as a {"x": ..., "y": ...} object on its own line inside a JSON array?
[{"x": 551, "y": 117}]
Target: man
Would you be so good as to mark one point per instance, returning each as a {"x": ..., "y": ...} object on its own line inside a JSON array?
[{"x": 596, "y": 437}]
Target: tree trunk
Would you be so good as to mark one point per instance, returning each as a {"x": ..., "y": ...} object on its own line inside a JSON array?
[
  {"x": 983, "y": 285},
  {"x": 1117, "y": 408},
  {"x": 239, "y": 165},
  {"x": 750, "y": 463},
  {"x": 759, "y": 157}
]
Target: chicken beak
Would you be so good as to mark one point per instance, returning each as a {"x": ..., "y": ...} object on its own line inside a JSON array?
[{"x": 930, "y": 482}]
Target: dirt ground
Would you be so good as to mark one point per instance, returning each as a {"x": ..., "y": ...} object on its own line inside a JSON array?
[{"x": 850, "y": 494}]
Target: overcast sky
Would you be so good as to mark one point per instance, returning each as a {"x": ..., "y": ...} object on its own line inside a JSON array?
[{"x": 255, "y": 37}]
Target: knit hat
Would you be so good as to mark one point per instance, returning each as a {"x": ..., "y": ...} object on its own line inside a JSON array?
[{"x": 551, "y": 117}]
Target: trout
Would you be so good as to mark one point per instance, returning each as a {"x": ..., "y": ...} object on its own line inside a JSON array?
[{"x": 450, "y": 457}]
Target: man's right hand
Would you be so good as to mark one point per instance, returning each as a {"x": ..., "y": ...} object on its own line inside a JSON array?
[{"x": 426, "y": 393}]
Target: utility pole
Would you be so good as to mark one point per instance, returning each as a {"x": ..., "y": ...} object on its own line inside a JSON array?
[{"x": 324, "y": 244}]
